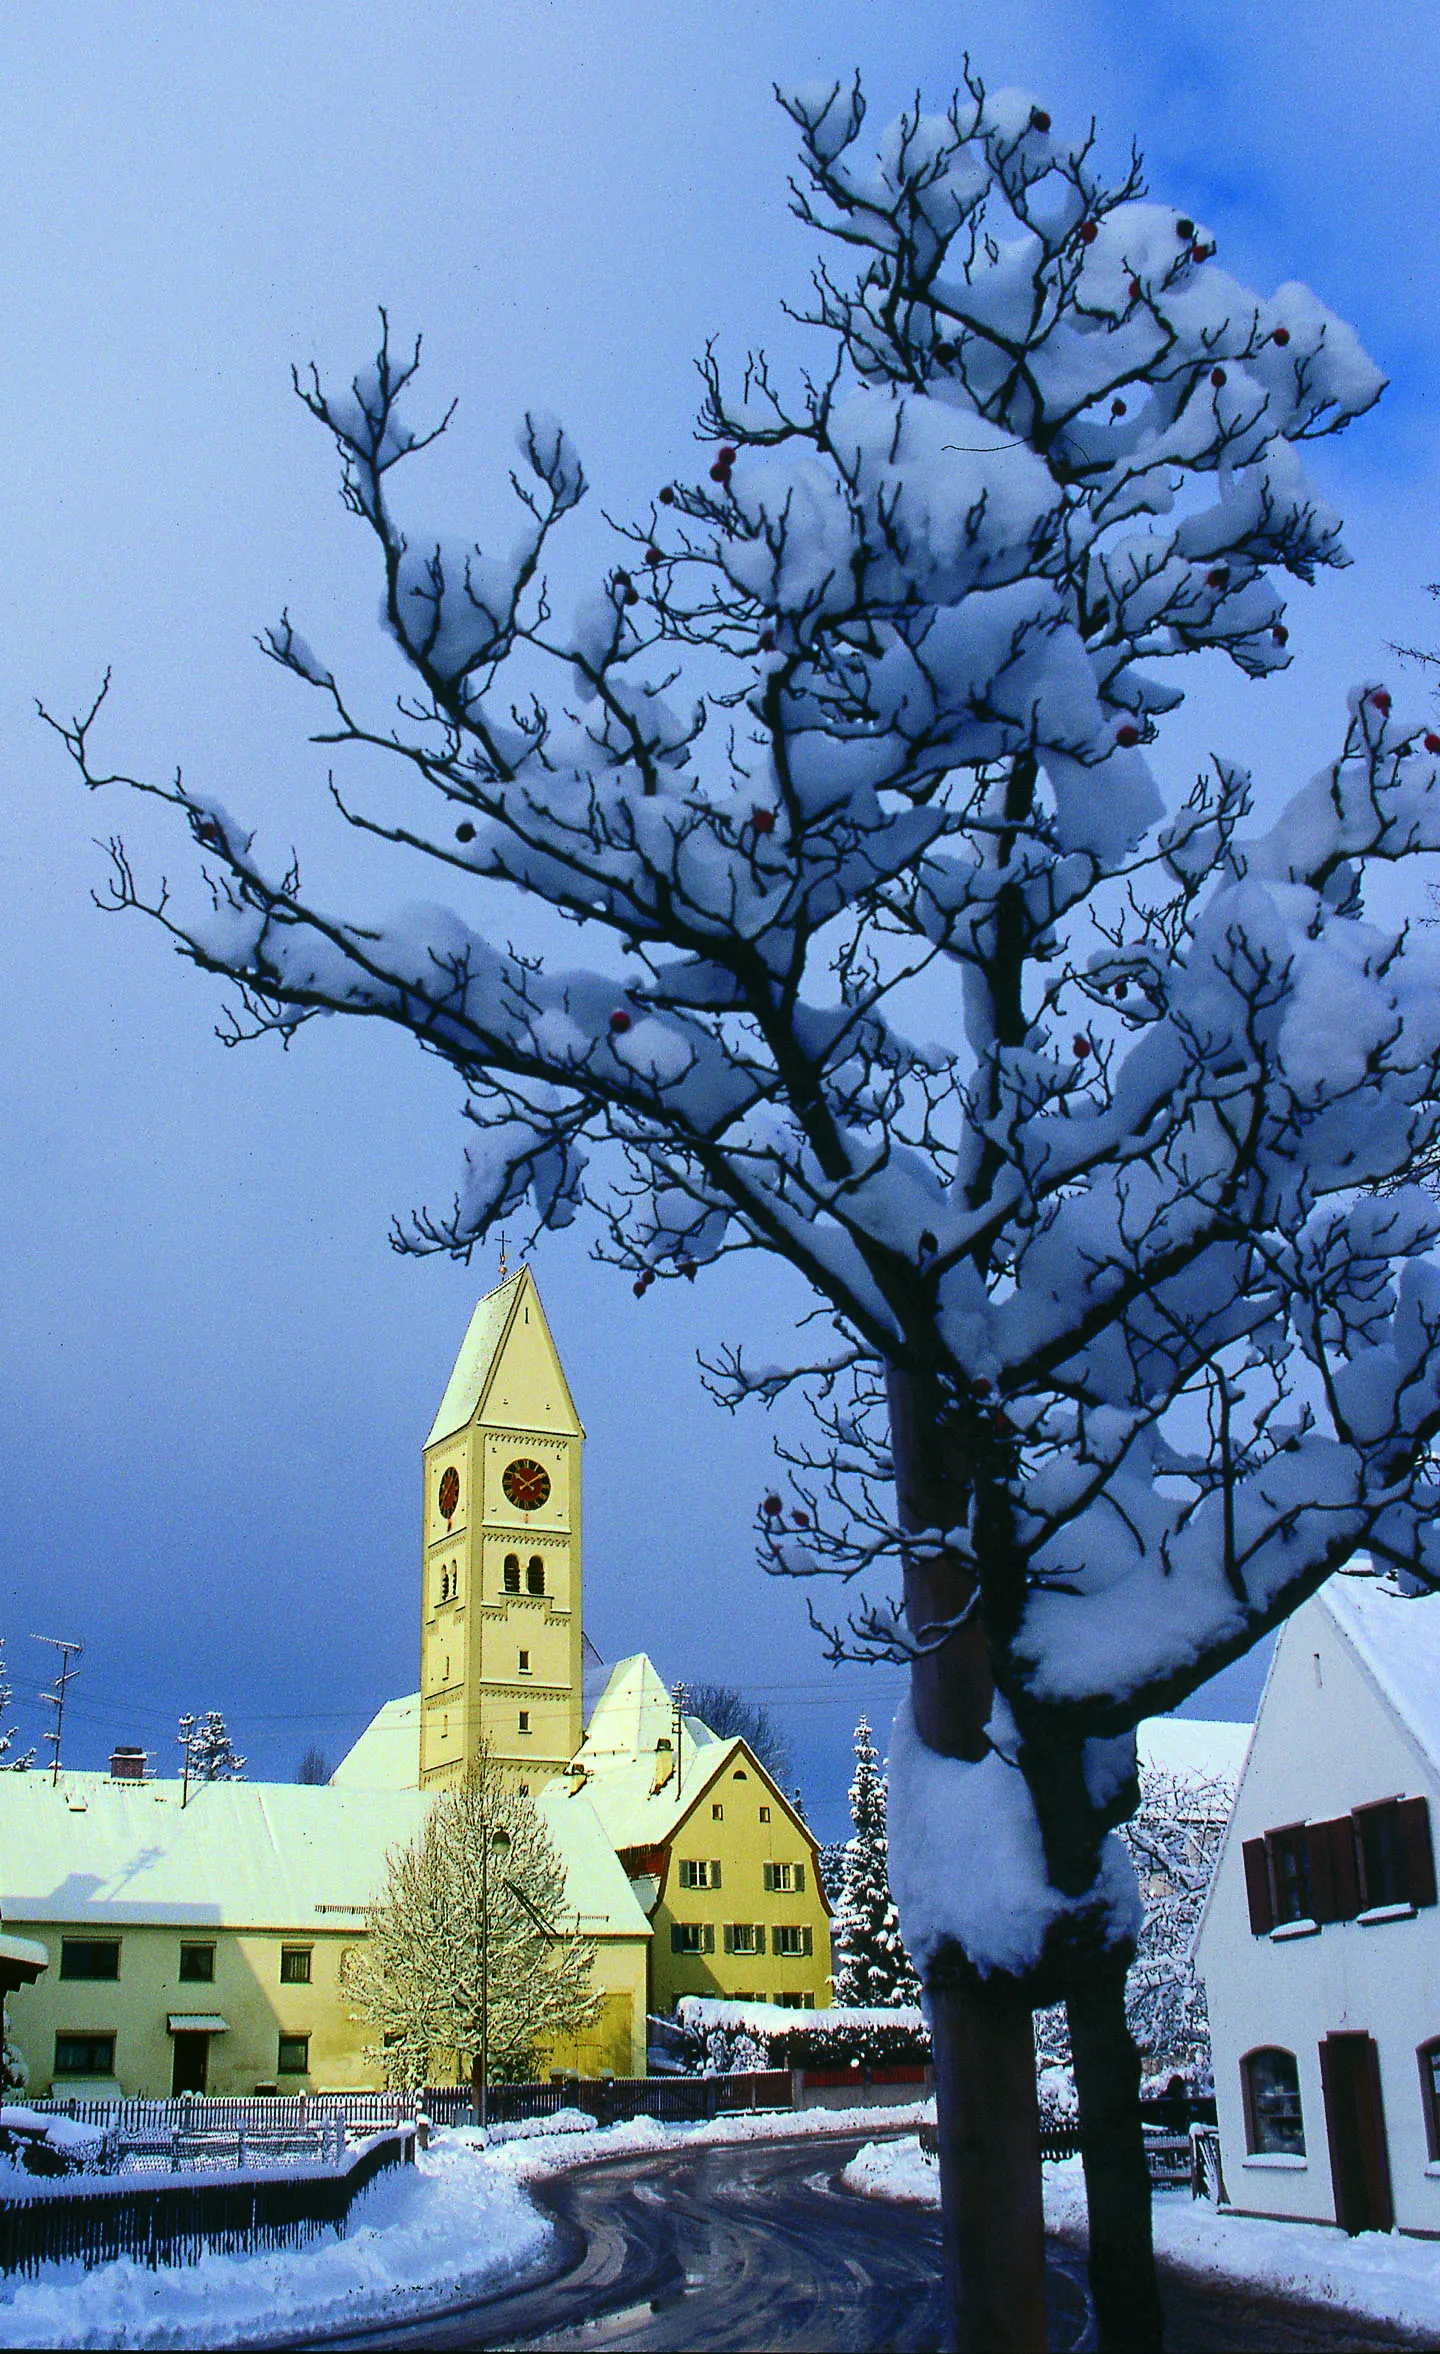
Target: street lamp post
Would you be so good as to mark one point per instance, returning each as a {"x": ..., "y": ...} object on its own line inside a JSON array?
[{"x": 498, "y": 1845}]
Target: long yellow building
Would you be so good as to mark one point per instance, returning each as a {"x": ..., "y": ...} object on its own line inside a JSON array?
[{"x": 197, "y": 1946}]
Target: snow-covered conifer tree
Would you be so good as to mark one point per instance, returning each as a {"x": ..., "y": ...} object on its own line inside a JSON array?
[
  {"x": 873, "y": 1970},
  {"x": 212, "y": 1753},
  {"x": 1081, "y": 1098},
  {"x": 422, "y": 1975}
]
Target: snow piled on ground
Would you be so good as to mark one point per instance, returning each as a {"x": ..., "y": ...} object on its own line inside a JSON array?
[
  {"x": 1381, "y": 2274},
  {"x": 455, "y": 2225},
  {"x": 430, "y": 2234}
]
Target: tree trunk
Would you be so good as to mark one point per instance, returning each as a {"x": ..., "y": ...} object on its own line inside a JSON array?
[
  {"x": 1112, "y": 2147},
  {"x": 988, "y": 2131},
  {"x": 987, "y": 2118}
]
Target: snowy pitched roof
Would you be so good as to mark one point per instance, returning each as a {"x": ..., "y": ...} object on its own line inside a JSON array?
[
  {"x": 624, "y": 1761},
  {"x": 387, "y": 1754},
  {"x": 256, "y": 1855},
  {"x": 239, "y": 1855},
  {"x": 1193, "y": 1748},
  {"x": 480, "y": 1354},
  {"x": 1397, "y": 1638}
]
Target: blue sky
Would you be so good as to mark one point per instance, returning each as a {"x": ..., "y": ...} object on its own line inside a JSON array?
[{"x": 217, "y": 1375}]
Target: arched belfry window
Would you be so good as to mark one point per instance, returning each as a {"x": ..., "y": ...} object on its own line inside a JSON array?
[
  {"x": 535, "y": 1575},
  {"x": 1274, "y": 2126},
  {"x": 512, "y": 1573}
]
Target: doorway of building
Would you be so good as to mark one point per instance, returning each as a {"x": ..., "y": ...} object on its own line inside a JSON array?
[
  {"x": 191, "y": 2063},
  {"x": 1355, "y": 2124}
]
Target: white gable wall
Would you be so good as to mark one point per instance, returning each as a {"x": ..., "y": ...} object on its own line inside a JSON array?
[{"x": 1325, "y": 1742}]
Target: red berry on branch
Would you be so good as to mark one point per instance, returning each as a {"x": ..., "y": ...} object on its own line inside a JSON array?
[
  {"x": 1432, "y": 743},
  {"x": 1380, "y": 701},
  {"x": 632, "y": 596},
  {"x": 207, "y": 831},
  {"x": 1136, "y": 290},
  {"x": 1184, "y": 228},
  {"x": 1280, "y": 634},
  {"x": 1217, "y": 377},
  {"x": 767, "y": 641},
  {"x": 719, "y": 473},
  {"x": 801, "y": 1519},
  {"x": 667, "y": 496},
  {"x": 1127, "y": 735},
  {"x": 653, "y": 556},
  {"x": 1039, "y": 119},
  {"x": 727, "y": 455},
  {"x": 772, "y": 1507},
  {"x": 1281, "y": 336},
  {"x": 982, "y": 1385},
  {"x": 763, "y": 820},
  {"x": 465, "y": 832},
  {"x": 620, "y": 1020},
  {"x": 689, "y": 1270},
  {"x": 928, "y": 1243},
  {"x": 639, "y": 1290},
  {"x": 1080, "y": 1045},
  {"x": 1201, "y": 253},
  {"x": 1088, "y": 232},
  {"x": 1219, "y": 578},
  {"x": 1117, "y": 408}
]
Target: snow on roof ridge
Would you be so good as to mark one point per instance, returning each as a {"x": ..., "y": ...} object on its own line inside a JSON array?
[
  {"x": 1401, "y": 1654},
  {"x": 476, "y": 1357}
]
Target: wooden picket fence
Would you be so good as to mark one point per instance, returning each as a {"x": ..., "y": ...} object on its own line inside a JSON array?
[{"x": 175, "y": 2223}]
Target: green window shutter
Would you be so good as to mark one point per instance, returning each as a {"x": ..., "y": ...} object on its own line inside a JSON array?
[
  {"x": 709, "y": 1937},
  {"x": 769, "y": 1879},
  {"x": 677, "y": 1941},
  {"x": 759, "y": 1937},
  {"x": 729, "y": 1937},
  {"x": 806, "y": 1940},
  {"x": 800, "y": 1878},
  {"x": 714, "y": 1875}
]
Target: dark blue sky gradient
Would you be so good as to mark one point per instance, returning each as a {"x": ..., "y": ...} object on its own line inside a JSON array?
[{"x": 217, "y": 1375}]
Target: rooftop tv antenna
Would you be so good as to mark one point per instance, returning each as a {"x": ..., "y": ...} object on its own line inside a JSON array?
[{"x": 68, "y": 1651}]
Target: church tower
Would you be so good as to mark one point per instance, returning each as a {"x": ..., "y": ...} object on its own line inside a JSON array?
[{"x": 500, "y": 1601}]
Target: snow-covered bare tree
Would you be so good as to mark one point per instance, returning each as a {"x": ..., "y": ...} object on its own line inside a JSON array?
[
  {"x": 213, "y": 1756},
  {"x": 872, "y": 1969},
  {"x": 22, "y": 1762},
  {"x": 465, "y": 1942},
  {"x": 1173, "y": 1840},
  {"x": 1071, "y": 1099}
]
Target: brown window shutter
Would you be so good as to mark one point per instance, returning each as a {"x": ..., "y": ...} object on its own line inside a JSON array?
[
  {"x": 1414, "y": 1816},
  {"x": 1257, "y": 1887},
  {"x": 807, "y": 1938},
  {"x": 1334, "y": 1878},
  {"x": 800, "y": 1878}
]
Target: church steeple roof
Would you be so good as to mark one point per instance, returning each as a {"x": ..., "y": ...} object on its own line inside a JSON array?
[{"x": 480, "y": 1353}]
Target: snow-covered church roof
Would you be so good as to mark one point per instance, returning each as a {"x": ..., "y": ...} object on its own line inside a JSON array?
[
  {"x": 387, "y": 1754},
  {"x": 630, "y": 1761}
]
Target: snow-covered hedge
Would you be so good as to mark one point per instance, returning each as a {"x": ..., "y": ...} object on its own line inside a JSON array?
[{"x": 719, "y": 2036}]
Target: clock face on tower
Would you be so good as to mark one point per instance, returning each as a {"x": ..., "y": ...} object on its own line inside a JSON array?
[
  {"x": 526, "y": 1484},
  {"x": 449, "y": 1493}
]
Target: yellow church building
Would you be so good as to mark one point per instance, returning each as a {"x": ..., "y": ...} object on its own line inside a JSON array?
[{"x": 195, "y": 1940}]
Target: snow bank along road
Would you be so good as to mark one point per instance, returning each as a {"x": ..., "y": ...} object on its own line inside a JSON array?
[{"x": 760, "y": 2247}]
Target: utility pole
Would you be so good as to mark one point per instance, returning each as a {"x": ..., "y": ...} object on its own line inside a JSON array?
[
  {"x": 67, "y": 1651},
  {"x": 497, "y": 1844},
  {"x": 186, "y": 1739}
]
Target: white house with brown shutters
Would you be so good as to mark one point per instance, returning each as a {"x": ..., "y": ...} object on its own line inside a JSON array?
[{"x": 1320, "y": 1940}]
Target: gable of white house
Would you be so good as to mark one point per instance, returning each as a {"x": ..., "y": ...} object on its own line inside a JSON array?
[{"x": 1320, "y": 1941}]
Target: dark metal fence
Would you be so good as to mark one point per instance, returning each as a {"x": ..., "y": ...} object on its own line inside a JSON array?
[
  {"x": 675, "y": 2100},
  {"x": 228, "y": 2113},
  {"x": 174, "y": 2223}
]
